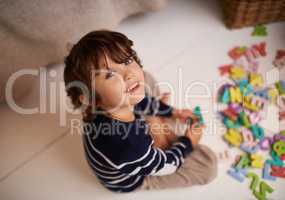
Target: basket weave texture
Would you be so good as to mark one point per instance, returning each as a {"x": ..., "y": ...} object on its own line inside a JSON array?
[{"x": 242, "y": 13}]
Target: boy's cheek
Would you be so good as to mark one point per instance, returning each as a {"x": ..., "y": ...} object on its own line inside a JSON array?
[{"x": 111, "y": 95}]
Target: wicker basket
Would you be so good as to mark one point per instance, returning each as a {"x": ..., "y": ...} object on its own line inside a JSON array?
[{"x": 241, "y": 13}]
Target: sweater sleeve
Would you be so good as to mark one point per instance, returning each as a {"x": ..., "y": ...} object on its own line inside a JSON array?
[
  {"x": 157, "y": 162},
  {"x": 152, "y": 106}
]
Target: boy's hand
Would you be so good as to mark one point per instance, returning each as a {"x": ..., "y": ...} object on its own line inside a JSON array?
[
  {"x": 194, "y": 133},
  {"x": 183, "y": 114}
]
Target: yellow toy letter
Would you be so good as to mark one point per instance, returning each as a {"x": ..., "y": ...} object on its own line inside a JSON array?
[
  {"x": 235, "y": 94},
  {"x": 233, "y": 137}
]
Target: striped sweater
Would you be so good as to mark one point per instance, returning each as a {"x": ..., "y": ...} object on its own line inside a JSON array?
[{"x": 121, "y": 153}]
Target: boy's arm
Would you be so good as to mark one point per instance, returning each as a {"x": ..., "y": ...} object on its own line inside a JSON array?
[
  {"x": 153, "y": 106},
  {"x": 136, "y": 155},
  {"x": 156, "y": 162}
]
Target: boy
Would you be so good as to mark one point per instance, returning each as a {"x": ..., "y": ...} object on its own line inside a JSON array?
[{"x": 104, "y": 77}]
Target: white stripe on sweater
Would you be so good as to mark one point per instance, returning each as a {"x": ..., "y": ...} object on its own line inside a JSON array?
[
  {"x": 123, "y": 186},
  {"x": 123, "y": 164},
  {"x": 134, "y": 172}
]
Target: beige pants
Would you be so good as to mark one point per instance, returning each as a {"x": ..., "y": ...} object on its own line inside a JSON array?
[{"x": 199, "y": 167}]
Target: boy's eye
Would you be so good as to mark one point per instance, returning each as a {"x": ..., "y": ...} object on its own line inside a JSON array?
[{"x": 109, "y": 74}]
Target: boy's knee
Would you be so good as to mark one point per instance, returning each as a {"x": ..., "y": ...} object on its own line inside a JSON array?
[{"x": 211, "y": 164}]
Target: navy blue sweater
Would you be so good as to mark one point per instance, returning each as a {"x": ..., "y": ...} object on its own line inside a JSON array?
[{"x": 121, "y": 153}]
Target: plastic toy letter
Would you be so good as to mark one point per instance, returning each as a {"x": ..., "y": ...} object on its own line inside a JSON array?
[{"x": 233, "y": 137}]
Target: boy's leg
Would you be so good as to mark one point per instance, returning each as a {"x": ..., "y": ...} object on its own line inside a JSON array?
[{"x": 200, "y": 167}]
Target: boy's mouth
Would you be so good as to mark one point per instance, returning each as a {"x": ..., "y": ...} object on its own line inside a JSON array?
[{"x": 133, "y": 87}]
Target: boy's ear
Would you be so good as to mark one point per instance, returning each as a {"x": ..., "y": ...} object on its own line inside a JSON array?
[{"x": 83, "y": 99}]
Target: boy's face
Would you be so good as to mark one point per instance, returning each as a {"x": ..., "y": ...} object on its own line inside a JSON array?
[{"x": 119, "y": 85}]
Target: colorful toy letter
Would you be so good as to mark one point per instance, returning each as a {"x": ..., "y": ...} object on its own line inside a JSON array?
[
  {"x": 266, "y": 172},
  {"x": 279, "y": 147},
  {"x": 233, "y": 137},
  {"x": 231, "y": 113},
  {"x": 257, "y": 161},
  {"x": 280, "y": 87},
  {"x": 258, "y": 131},
  {"x": 237, "y": 73},
  {"x": 235, "y": 94},
  {"x": 259, "y": 30},
  {"x": 263, "y": 188},
  {"x": 276, "y": 160},
  {"x": 246, "y": 147},
  {"x": 225, "y": 98},
  {"x": 273, "y": 93},
  {"x": 256, "y": 80},
  {"x": 249, "y": 104},
  {"x": 265, "y": 143},
  {"x": 197, "y": 112},
  {"x": 238, "y": 174},
  {"x": 278, "y": 171},
  {"x": 235, "y": 53},
  {"x": 279, "y": 61},
  {"x": 254, "y": 117},
  {"x": 244, "y": 119},
  {"x": 225, "y": 69},
  {"x": 244, "y": 162}
]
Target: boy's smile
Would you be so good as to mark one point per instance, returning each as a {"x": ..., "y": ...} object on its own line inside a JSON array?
[{"x": 133, "y": 87}]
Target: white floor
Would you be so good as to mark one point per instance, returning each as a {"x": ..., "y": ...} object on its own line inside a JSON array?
[{"x": 185, "y": 42}]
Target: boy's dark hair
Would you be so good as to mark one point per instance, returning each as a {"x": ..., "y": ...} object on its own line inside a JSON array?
[{"x": 88, "y": 54}]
